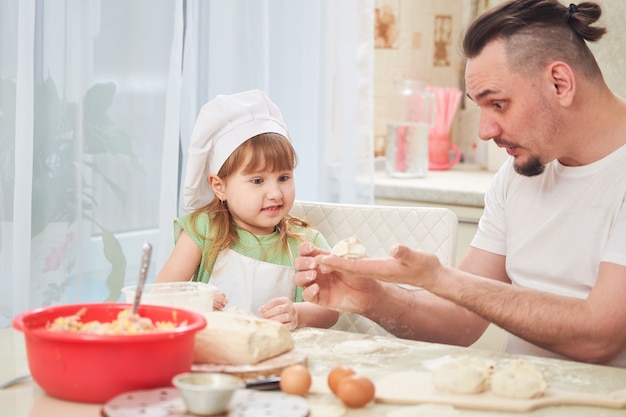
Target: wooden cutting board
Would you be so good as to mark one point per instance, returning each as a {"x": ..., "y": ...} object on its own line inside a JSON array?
[
  {"x": 413, "y": 387},
  {"x": 265, "y": 369}
]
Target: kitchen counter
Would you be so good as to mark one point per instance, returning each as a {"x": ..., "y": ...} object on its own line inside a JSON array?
[
  {"x": 374, "y": 356},
  {"x": 462, "y": 185}
]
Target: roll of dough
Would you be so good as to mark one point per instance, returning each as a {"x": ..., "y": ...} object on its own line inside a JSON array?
[
  {"x": 518, "y": 379},
  {"x": 463, "y": 375},
  {"x": 240, "y": 339}
]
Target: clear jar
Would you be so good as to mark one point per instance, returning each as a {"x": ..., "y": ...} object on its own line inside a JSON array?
[{"x": 409, "y": 118}]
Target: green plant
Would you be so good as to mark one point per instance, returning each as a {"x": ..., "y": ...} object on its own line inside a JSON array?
[{"x": 65, "y": 151}]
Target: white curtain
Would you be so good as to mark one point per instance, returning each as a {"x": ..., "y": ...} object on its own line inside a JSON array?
[{"x": 97, "y": 101}]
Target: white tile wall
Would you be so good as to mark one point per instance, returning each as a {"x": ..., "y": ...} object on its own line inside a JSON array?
[
  {"x": 413, "y": 54},
  {"x": 412, "y": 57}
]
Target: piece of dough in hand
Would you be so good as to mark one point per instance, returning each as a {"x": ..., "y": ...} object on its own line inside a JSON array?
[
  {"x": 463, "y": 375},
  {"x": 350, "y": 248},
  {"x": 518, "y": 379}
]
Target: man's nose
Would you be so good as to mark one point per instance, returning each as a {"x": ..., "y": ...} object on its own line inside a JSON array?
[{"x": 488, "y": 128}]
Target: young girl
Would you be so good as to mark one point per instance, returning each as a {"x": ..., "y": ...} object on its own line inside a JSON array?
[{"x": 240, "y": 236}]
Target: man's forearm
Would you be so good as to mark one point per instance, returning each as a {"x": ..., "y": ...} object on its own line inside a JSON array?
[
  {"x": 420, "y": 315},
  {"x": 569, "y": 326}
]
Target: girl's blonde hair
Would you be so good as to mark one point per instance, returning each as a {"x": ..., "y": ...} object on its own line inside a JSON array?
[{"x": 267, "y": 151}]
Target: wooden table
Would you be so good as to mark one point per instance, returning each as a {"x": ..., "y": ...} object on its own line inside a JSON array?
[{"x": 373, "y": 356}]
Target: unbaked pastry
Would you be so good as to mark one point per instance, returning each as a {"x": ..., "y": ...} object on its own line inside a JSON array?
[
  {"x": 518, "y": 379},
  {"x": 240, "y": 339},
  {"x": 463, "y": 375},
  {"x": 350, "y": 248}
]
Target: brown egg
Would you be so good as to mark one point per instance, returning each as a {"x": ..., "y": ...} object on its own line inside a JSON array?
[
  {"x": 337, "y": 374},
  {"x": 356, "y": 391},
  {"x": 296, "y": 380}
]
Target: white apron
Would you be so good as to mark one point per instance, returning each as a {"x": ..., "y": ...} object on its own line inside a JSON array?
[{"x": 249, "y": 283}]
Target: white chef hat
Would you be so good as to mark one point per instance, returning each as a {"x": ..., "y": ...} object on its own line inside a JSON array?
[{"x": 223, "y": 124}]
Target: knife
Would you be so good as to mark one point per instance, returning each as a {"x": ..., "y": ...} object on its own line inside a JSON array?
[{"x": 268, "y": 384}]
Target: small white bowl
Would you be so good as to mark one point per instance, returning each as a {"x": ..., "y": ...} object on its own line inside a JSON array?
[
  {"x": 207, "y": 393},
  {"x": 196, "y": 296}
]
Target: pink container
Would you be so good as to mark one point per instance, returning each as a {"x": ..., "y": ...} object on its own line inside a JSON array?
[
  {"x": 439, "y": 150},
  {"x": 95, "y": 368}
]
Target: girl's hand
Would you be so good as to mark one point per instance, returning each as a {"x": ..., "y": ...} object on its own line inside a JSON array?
[
  {"x": 281, "y": 309},
  {"x": 335, "y": 290},
  {"x": 219, "y": 301}
]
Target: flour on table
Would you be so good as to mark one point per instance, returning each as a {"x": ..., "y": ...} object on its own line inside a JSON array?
[
  {"x": 357, "y": 347},
  {"x": 326, "y": 410},
  {"x": 425, "y": 410},
  {"x": 463, "y": 375},
  {"x": 319, "y": 385},
  {"x": 518, "y": 379}
]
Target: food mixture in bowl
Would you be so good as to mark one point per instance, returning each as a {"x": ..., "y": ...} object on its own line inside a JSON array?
[{"x": 126, "y": 323}]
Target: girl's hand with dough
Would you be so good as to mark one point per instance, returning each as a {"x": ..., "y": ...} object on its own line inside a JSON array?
[{"x": 281, "y": 309}]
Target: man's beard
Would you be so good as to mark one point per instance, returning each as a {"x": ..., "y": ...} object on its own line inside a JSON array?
[{"x": 531, "y": 168}]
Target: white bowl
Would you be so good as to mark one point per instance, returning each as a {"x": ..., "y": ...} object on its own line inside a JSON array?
[
  {"x": 195, "y": 296},
  {"x": 207, "y": 393}
]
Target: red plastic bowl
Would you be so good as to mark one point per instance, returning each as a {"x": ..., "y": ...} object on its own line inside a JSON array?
[{"x": 95, "y": 368}]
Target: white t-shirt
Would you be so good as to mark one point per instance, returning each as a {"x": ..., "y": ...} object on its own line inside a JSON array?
[{"x": 556, "y": 228}]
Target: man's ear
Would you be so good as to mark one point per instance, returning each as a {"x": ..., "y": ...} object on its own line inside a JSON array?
[
  {"x": 564, "y": 82},
  {"x": 218, "y": 186}
]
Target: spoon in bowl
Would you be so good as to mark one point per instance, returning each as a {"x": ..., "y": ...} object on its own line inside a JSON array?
[
  {"x": 15, "y": 381},
  {"x": 143, "y": 273}
]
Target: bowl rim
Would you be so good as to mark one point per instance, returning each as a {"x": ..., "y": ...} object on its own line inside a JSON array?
[
  {"x": 204, "y": 286},
  {"x": 177, "y": 381},
  {"x": 42, "y": 332}
]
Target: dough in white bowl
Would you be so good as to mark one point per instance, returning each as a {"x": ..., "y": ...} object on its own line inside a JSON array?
[
  {"x": 518, "y": 379},
  {"x": 462, "y": 375}
]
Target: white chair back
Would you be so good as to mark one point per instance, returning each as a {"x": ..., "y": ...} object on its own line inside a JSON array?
[{"x": 379, "y": 228}]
